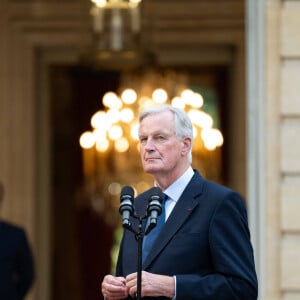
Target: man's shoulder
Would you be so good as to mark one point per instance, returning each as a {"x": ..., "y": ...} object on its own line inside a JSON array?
[
  {"x": 11, "y": 228},
  {"x": 211, "y": 183},
  {"x": 214, "y": 190}
]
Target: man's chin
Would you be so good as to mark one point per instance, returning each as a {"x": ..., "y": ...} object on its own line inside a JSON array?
[{"x": 151, "y": 169}]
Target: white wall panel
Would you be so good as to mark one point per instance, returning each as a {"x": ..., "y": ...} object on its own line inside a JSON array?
[
  {"x": 290, "y": 42},
  {"x": 290, "y": 263},
  {"x": 290, "y": 204},
  {"x": 290, "y": 98},
  {"x": 290, "y": 146}
]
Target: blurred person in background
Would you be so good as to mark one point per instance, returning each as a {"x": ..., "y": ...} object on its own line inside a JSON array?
[{"x": 16, "y": 260}]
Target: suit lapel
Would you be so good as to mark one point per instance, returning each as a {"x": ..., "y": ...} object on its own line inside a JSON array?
[{"x": 181, "y": 212}]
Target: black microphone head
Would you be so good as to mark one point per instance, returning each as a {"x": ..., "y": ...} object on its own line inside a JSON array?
[
  {"x": 126, "y": 204},
  {"x": 154, "y": 208},
  {"x": 156, "y": 192},
  {"x": 155, "y": 201},
  {"x": 127, "y": 191}
]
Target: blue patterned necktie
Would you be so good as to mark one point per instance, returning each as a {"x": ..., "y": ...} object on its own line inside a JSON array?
[{"x": 152, "y": 235}]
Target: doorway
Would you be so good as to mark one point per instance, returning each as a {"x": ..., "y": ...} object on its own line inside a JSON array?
[{"x": 82, "y": 240}]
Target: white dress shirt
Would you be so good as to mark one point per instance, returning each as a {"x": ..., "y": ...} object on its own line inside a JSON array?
[{"x": 175, "y": 190}]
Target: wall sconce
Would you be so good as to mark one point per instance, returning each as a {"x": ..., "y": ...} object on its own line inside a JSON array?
[{"x": 116, "y": 23}]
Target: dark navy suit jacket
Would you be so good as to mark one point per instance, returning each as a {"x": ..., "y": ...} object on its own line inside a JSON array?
[
  {"x": 205, "y": 243},
  {"x": 16, "y": 263}
]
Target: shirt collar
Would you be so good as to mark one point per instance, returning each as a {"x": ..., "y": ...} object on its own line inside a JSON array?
[{"x": 175, "y": 190}]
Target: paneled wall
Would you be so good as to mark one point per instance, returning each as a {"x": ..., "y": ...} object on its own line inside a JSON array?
[
  {"x": 290, "y": 149},
  {"x": 283, "y": 149}
]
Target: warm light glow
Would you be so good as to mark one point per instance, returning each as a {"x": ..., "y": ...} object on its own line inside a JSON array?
[
  {"x": 145, "y": 102},
  {"x": 212, "y": 137},
  {"x": 122, "y": 145},
  {"x": 113, "y": 115},
  {"x": 142, "y": 186},
  {"x": 135, "y": 131},
  {"x": 186, "y": 95},
  {"x": 135, "y": 1},
  {"x": 129, "y": 96},
  {"x": 104, "y": 3},
  {"x": 102, "y": 146},
  {"x": 111, "y": 100},
  {"x": 115, "y": 132},
  {"x": 114, "y": 188},
  {"x": 210, "y": 144},
  {"x": 99, "y": 3},
  {"x": 178, "y": 102},
  {"x": 196, "y": 100},
  {"x": 200, "y": 118},
  {"x": 99, "y": 135},
  {"x": 87, "y": 140},
  {"x": 160, "y": 96},
  {"x": 195, "y": 131},
  {"x": 127, "y": 115},
  {"x": 191, "y": 98},
  {"x": 99, "y": 119},
  {"x": 218, "y": 137}
]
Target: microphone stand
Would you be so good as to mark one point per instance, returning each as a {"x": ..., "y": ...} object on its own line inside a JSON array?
[
  {"x": 139, "y": 236},
  {"x": 127, "y": 209}
]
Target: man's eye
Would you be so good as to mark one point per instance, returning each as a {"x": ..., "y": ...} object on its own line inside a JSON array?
[
  {"x": 143, "y": 140},
  {"x": 160, "y": 138}
]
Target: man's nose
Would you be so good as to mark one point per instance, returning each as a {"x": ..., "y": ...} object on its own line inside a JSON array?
[{"x": 149, "y": 145}]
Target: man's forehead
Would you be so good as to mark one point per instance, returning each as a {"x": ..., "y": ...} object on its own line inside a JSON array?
[
  {"x": 165, "y": 124},
  {"x": 155, "y": 130}
]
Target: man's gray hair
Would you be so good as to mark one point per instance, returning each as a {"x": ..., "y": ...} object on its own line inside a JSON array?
[{"x": 183, "y": 125}]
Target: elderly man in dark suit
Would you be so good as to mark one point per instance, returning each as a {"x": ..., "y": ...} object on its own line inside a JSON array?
[
  {"x": 203, "y": 251},
  {"x": 16, "y": 262}
]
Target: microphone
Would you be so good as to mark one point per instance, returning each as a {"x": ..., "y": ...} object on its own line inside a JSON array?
[
  {"x": 126, "y": 205},
  {"x": 154, "y": 208}
]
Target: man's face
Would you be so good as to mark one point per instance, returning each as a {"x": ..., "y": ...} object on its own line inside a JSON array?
[{"x": 161, "y": 151}]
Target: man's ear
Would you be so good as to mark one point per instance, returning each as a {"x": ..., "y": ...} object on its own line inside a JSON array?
[{"x": 187, "y": 144}]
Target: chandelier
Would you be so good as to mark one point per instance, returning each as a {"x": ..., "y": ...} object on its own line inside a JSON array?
[{"x": 116, "y": 126}]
